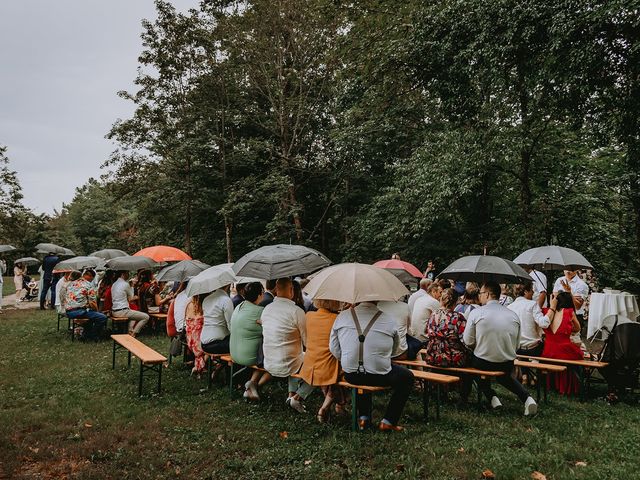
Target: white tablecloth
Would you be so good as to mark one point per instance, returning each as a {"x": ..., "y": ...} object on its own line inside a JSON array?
[{"x": 604, "y": 307}]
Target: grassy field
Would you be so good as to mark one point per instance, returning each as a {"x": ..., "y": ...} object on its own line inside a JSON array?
[{"x": 65, "y": 414}]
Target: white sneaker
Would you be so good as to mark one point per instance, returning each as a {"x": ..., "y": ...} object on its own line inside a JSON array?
[
  {"x": 296, "y": 405},
  {"x": 250, "y": 391},
  {"x": 495, "y": 402},
  {"x": 530, "y": 407}
]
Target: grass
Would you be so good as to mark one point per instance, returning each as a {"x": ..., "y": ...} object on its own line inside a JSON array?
[{"x": 65, "y": 413}]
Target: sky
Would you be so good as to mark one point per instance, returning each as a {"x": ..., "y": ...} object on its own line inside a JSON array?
[{"x": 62, "y": 63}]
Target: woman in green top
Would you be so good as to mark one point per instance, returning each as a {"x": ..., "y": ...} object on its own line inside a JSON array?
[{"x": 245, "y": 343}]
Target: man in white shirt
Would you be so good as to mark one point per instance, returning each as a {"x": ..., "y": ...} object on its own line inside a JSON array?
[
  {"x": 579, "y": 290},
  {"x": 180, "y": 307},
  {"x": 217, "y": 309},
  {"x": 399, "y": 311},
  {"x": 284, "y": 333},
  {"x": 532, "y": 321},
  {"x": 421, "y": 292},
  {"x": 121, "y": 295},
  {"x": 424, "y": 307},
  {"x": 539, "y": 285},
  {"x": 368, "y": 362},
  {"x": 493, "y": 333}
]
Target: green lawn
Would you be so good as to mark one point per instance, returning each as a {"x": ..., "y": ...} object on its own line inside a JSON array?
[{"x": 63, "y": 411}]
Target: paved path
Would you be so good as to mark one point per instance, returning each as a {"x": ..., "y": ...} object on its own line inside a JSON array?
[{"x": 8, "y": 303}]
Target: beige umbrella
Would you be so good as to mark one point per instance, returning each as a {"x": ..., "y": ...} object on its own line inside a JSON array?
[{"x": 355, "y": 283}]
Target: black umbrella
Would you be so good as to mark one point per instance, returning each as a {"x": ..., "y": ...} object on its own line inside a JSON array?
[
  {"x": 485, "y": 268},
  {"x": 278, "y": 261}
]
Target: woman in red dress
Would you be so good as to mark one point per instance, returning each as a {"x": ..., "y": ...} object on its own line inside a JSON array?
[{"x": 558, "y": 344}]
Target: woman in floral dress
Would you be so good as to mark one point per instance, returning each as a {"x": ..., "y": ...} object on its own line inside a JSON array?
[
  {"x": 194, "y": 320},
  {"x": 444, "y": 334}
]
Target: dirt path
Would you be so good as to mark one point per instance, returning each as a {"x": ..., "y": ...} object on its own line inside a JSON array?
[{"x": 8, "y": 303}]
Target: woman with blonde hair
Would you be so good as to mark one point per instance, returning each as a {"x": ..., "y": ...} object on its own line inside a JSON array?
[
  {"x": 320, "y": 367},
  {"x": 19, "y": 271},
  {"x": 194, "y": 320}
]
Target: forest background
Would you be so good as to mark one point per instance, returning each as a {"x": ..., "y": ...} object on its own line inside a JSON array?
[{"x": 431, "y": 128}]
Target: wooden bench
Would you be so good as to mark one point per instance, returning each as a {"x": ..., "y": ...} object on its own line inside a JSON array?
[
  {"x": 76, "y": 322},
  {"x": 150, "y": 360},
  {"x": 118, "y": 322},
  {"x": 583, "y": 368},
  {"x": 157, "y": 319},
  {"x": 542, "y": 371},
  {"x": 219, "y": 358},
  {"x": 61, "y": 316}
]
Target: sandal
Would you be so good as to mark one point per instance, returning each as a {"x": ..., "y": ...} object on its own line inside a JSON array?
[{"x": 323, "y": 416}]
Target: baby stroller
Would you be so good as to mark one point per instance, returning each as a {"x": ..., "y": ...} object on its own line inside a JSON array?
[
  {"x": 31, "y": 287},
  {"x": 622, "y": 351}
]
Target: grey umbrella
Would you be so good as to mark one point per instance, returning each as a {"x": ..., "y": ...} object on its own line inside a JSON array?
[
  {"x": 181, "y": 271},
  {"x": 485, "y": 268},
  {"x": 79, "y": 263},
  {"x": 28, "y": 261},
  {"x": 277, "y": 261},
  {"x": 405, "y": 277},
  {"x": 552, "y": 257},
  {"x": 109, "y": 253},
  {"x": 130, "y": 263},
  {"x": 52, "y": 248},
  {"x": 6, "y": 248}
]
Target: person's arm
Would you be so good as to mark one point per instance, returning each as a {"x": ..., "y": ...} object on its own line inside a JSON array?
[
  {"x": 575, "y": 324},
  {"x": 334, "y": 344},
  {"x": 542, "y": 298},
  {"x": 301, "y": 321},
  {"x": 543, "y": 321},
  {"x": 228, "y": 312},
  {"x": 469, "y": 336}
]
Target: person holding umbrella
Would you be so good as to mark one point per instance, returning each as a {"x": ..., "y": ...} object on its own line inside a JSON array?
[{"x": 48, "y": 263}]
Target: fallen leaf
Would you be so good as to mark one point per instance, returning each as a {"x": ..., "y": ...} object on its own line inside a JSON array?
[
  {"x": 220, "y": 437},
  {"x": 581, "y": 464},
  {"x": 34, "y": 450},
  {"x": 460, "y": 450},
  {"x": 88, "y": 425},
  {"x": 538, "y": 476},
  {"x": 284, "y": 435},
  {"x": 307, "y": 462},
  {"x": 488, "y": 474},
  {"x": 400, "y": 467}
]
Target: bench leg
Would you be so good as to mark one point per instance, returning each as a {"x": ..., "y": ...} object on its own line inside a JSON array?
[
  {"x": 231, "y": 380},
  {"x": 113, "y": 360},
  {"x": 129, "y": 360},
  {"x": 73, "y": 330},
  {"x": 425, "y": 400},
  {"x": 140, "y": 380},
  {"x": 539, "y": 377},
  {"x": 545, "y": 380},
  {"x": 209, "y": 372},
  {"x": 354, "y": 410},
  {"x": 159, "y": 378},
  {"x": 437, "y": 402}
]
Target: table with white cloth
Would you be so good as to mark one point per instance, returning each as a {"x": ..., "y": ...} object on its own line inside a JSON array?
[{"x": 606, "y": 308}]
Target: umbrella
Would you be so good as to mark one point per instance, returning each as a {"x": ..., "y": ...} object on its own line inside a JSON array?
[
  {"x": 52, "y": 248},
  {"x": 400, "y": 265},
  {"x": 210, "y": 279},
  {"x": 355, "y": 283},
  {"x": 130, "y": 263},
  {"x": 179, "y": 272},
  {"x": 163, "y": 253},
  {"x": 485, "y": 268},
  {"x": 28, "y": 261},
  {"x": 405, "y": 277},
  {"x": 277, "y": 261},
  {"x": 79, "y": 263},
  {"x": 108, "y": 253},
  {"x": 553, "y": 257},
  {"x": 6, "y": 248}
]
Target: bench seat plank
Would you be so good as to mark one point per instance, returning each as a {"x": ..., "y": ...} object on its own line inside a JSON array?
[
  {"x": 435, "y": 377},
  {"x": 469, "y": 370},
  {"x": 577, "y": 363},
  {"x": 147, "y": 355},
  {"x": 548, "y": 367}
]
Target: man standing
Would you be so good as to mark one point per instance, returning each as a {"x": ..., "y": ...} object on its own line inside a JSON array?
[
  {"x": 424, "y": 307},
  {"x": 539, "y": 285},
  {"x": 421, "y": 292},
  {"x": 579, "y": 290},
  {"x": 430, "y": 272},
  {"x": 493, "y": 334},
  {"x": 284, "y": 333},
  {"x": 364, "y": 339},
  {"x": 121, "y": 295},
  {"x": 82, "y": 302},
  {"x": 48, "y": 263}
]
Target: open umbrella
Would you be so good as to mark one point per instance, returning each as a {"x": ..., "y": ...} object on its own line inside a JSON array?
[
  {"x": 485, "y": 268},
  {"x": 79, "y": 263},
  {"x": 130, "y": 263},
  {"x": 28, "y": 261},
  {"x": 399, "y": 265},
  {"x": 53, "y": 248},
  {"x": 164, "y": 253},
  {"x": 108, "y": 253},
  {"x": 179, "y": 272},
  {"x": 552, "y": 257},
  {"x": 6, "y": 248},
  {"x": 210, "y": 279},
  {"x": 355, "y": 283},
  {"x": 277, "y": 261}
]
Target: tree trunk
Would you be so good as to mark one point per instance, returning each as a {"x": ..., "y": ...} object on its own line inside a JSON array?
[{"x": 187, "y": 229}]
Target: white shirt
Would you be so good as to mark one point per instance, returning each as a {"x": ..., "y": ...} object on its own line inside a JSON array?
[
  {"x": 61, "y": 293},
  {"x": 422, "y": 310},
  {"x": 379, "y": 344},
  {"x": 217, "y": 309},
  {"x": 493, "y": 331},
  {"x": 578, "y": 289},
  {"x": 284, "y": 331},
  {"x": 180, "y": 308},
  {"x": 415, "y": 296},
  {"x": 532, "y": 321},
  {"x": 121, "y": 293},
  {"x": 400, "y": 312},
  {"x": 539, "y": 283}
]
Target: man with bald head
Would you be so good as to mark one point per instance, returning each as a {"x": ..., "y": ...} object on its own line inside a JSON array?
[
  {"x": 421, "y": 292},
  {"x": 284, "y": 334}
]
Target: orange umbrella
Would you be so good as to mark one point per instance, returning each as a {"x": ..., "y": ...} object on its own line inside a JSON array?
[{"x": 163, "y": 253}]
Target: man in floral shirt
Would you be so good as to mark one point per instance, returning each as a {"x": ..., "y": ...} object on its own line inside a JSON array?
[{"x": 82, "y": 302}]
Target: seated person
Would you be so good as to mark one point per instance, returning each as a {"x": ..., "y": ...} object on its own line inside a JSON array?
[
  {"x": 180, "y": 303},
  {"x": 445, "y": 329},
  {"x": 121, "y": 296},
  {"x": 532, "y": 321},
  {"x": 424, "y": 307},
  {"x": 409, "y": 346},
  {"x": 284, "y": 336},
  {"x": 82, "y": 302},
  {"x": 245, "y": 343},
  {"x": 194, "y": 320},
  {"x": 162, "y": 296},
  {"x": 558, "y": 342},
  {"x": 239, "y": 297},
  {"x": 217, "y": 309},
  {"x": 320, "y": 367},
  {"x": 374, "y": 366},
  {"x": 470, "y": 301},
  {"x": 493, "y": 334}
]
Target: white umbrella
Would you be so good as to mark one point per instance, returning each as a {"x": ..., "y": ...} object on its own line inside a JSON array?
[
  {"x": 27, "y": 261},
  {"x": 210, "y": 279},
  {"x": 6, "y": 248},
  {"x": 52, "y": 248},
  {"x": 130, "y": 262},
  {"x": 552, "y": 257},
  {"x": 355, "y": 283},
  {"x": 108, "y": 253}
]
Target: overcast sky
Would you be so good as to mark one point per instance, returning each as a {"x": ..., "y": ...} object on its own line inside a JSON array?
[{"x": 61, "y": 64}]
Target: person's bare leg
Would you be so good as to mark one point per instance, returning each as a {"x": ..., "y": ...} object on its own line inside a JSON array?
[{"x": 264, "y": 378}]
